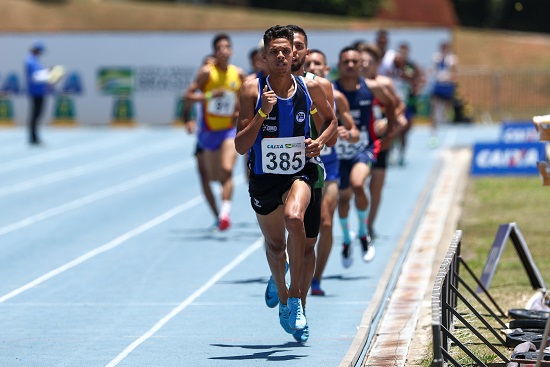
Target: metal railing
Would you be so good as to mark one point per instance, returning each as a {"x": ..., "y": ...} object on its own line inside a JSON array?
[{"x": 445, "y": 297}]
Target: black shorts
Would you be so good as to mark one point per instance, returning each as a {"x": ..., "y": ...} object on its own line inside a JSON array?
[
  {"x": 267, "y": 190},
  {"x": 382, "y": 159},
  {"x": 312, "y": 218}
]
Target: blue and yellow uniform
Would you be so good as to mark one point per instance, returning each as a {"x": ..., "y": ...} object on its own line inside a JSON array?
[{"x": 218, "y": 113}]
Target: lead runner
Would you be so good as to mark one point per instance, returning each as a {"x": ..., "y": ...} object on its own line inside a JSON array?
[{"x": 273, "y": 127}]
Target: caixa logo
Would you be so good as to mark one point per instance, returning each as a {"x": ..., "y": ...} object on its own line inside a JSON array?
[
  {"x": 518, "y": 132},
  {"x": 507, "y": 159}
]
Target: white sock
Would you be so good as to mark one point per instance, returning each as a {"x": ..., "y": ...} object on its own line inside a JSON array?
[{"x": 226, "y": 207}]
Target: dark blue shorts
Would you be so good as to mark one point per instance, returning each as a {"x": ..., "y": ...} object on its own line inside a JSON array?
[{"x": 346, "y": 165}]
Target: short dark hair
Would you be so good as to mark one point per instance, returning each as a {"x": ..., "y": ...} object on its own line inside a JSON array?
[
  {"x": 346, "y": 49},
  {"x": 253, "y": 53},
  {"x": 278, "y": 31},
  {"x": 218, "y": 38},
  {"x": 297, "y": 29},
  {"x": 382, "y": 33},
  {"x": 372, "y": 50},
  {"x": 317, "y": 51}
]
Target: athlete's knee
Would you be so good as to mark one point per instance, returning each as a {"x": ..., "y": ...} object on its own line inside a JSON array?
[
  {"x": 294, "y": 223},
  {"x": 326, "y": 225},
  {"x": 358, "y": 188},
  {"x": 275, "y": 248}
]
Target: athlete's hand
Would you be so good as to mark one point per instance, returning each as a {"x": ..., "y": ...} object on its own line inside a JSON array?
[
  {"x": 343, "y": 133},
  {"x": 218, "y": 92},
  {"x": 190, "y": 126},
  {"x": 269, "y": 98},
  {"x": 313, "y": 148}
]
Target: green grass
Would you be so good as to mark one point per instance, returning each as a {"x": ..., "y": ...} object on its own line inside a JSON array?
[{"x": 488, "y": 203}]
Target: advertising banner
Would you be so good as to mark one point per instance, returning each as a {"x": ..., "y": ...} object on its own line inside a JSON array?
[{"x": 507, "y": 158}]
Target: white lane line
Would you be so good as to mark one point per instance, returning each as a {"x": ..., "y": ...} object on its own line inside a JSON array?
[
  {"x": 54, "y": 155},
  {"x": 106, "y": 247},
  {"x": 101, "y": 194},
  {"x": 242, "y": 256},
  {"x": 112, "y": 244},
  {"x": 87, "y": 168}
]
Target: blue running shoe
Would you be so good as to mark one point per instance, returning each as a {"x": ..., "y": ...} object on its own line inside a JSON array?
[
  {"x": 271, "y": 291},
  {"x": 271, "y": 294},
  {"x": 297, "y": 320},
  {"x": 302, "y": 336},
  {"x": 284, "y": 315}
]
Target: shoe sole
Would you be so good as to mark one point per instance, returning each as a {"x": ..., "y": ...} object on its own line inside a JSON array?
[{"x": 298, "y": 335}]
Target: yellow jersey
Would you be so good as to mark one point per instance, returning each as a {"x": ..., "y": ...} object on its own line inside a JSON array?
[{"x": 218, "y": 112}]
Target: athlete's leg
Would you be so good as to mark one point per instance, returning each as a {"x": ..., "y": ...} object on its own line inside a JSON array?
[
  {"x": 308, "y": 269},
  {"x": 403, "y": 136},
  {"x": 376, "y": 184},
  {"x": 212, "y": 163},
  {"x": 205, "y": 183},
  {"x": 358, "y": 177},
  {"x": 228, "y": 158},
  {"x": 343, "y": 212},
  {"x": 273, "y": 229},
  {"x": 296, "y": 202},
  {"x": 328, "y": 206}
]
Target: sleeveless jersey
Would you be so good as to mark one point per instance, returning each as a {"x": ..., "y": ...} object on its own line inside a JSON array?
[
  {"x": 218, "y": 111},
  {"x": 361, "y": 103},
  {"x": 279, "y": 147}
]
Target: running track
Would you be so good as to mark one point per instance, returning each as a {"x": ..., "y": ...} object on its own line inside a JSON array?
[{"x": 105, "y": 257}]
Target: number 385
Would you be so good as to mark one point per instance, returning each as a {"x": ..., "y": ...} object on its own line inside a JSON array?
[{"x": 284, "y": 161}]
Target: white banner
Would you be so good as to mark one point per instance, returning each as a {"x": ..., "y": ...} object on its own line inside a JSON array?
[{"x": 154, "y": 68}]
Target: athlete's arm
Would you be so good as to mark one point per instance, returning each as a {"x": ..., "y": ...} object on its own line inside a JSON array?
[
  {"x": 348, "y": 131},
  {"x": 318, "y": 118},
  {"x": 195, "y": 91},
  {"x": 327, "y": 127},
  {"x": 190, "y": 124},
  {"x": 327, "y": 87},
  {"x": 249, "y": 122},
  {"x": 388, "y": 101},
  {"x": 387, "y": 84},
  {"x": 243, "y": 76}
]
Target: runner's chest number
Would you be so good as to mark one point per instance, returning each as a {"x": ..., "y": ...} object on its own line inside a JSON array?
[
  {"x": 223, "y": 105},
  {"x": 283, "y": 155}
]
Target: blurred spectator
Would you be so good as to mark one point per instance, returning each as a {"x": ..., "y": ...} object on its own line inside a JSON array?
[
  {"x": 37, "y": 88},
  {"x": 444, "y": 87}
]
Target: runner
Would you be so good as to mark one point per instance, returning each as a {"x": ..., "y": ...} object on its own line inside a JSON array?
[
  {"x": 356, "y": 159},
  {"x": 273, "y": 126},
  {"x": 371, "y": 57},
  {"x": 191, "y": 115},
  {"x": 316, "y": 64},
  {"x": 414, "y": 77},
  {"x": 216, "y": 86}
]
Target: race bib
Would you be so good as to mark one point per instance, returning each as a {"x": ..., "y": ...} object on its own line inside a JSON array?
[
  {"x": 283, "y": 155},
  {"x": 347, "y": 150},
  {"x": 326, "y": 151},
  {"x": 223, "y": 105}
]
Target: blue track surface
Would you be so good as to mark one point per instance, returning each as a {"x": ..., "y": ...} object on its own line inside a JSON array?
[{"x": 105, "y": 256}]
